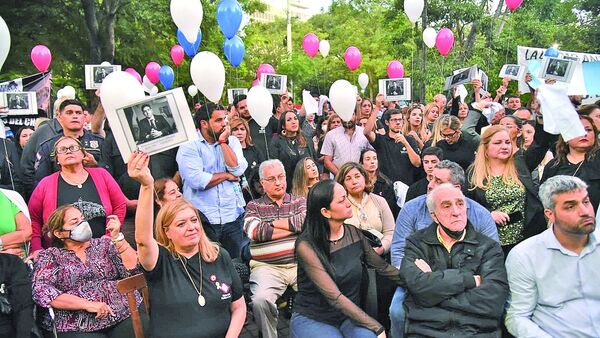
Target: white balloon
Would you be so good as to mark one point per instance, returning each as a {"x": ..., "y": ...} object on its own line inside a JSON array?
[
  {"x": 342, "y": 96},
  {"x": 363, "y": 81},
  {"x": 4, "y": 41},
  {"x": 105, "y": 64},
  {"x": 153, "y": 91},
  {"x": 429, "y": 35},
  {"x": 413, "y": 9},
  {"x": 187, "y": 15},
  {"x": 192, "y": 90},
  {"x": 208, "y": 74},
  {"x": 60, "y": 93},
  {"x": 147, "y": 84},
  {"x": 260, "y": 105},
  {"x": 119, "y": 89},
  {"x": 68, "y": 92},
  {"x": 324, "y": 47}
]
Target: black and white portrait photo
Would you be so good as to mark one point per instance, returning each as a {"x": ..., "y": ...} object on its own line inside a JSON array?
[
  {"x": 514, "y": 72},
  {"x": 275, "y": 83},
  {"x": 395, "y": 89},
  {"x": 461, "y": 76},
  {"x": 154, "y": 124},
  {"x": 95, "y": 74},
  {"x": 557, "y": 69},
  {"x": 19, "y": 103},
  {"x": 234, "y": 93}
]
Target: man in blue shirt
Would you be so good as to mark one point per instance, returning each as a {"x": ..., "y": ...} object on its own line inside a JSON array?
[
  {"x": 553, "y": 277},
  {"x": 415, "y": 216},
  {"x": 211, "y": 168}
]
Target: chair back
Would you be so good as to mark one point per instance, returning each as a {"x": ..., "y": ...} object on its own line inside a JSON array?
[{"x": 127, "y": 287}]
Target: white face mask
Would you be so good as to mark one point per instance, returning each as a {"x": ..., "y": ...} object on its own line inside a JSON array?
[
  {"x": 324, "y": 128},
  {"x": 82, "y": 232}
]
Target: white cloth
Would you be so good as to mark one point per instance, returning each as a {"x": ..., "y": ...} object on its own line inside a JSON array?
[
  {"x": 17, "y": 200},
  {"x": 560, "y": 116}
]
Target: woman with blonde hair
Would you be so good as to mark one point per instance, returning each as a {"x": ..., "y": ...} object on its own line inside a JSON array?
[
  {"x": 502, "y": 183},
  {"x": 416, "y": 126},
  {"x": 306, "y": 175},
  {"x": 183, "y": 268},
  {"x": 432, "y": 112}
]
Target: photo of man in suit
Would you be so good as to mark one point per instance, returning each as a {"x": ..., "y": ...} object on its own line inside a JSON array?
[
  {"x": 17, "y": 101},
  {"x": 101, "y": 72},
  {"x": 395, "y": 88},
  {"x": 557, "y": 67},
  {"x": 152, "y": 126},
  {"x": 273, "y": 82}
]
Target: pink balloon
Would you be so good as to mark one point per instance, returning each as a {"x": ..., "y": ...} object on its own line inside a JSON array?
[
  {"x": 152, "y": 69},
  {"x": 41, "y": 57},
  {"x": 513, "y": 4},
  {"x": 264, "y": 68},
  {"x": 444, "y": 41},
  {"x": 352, "y": 57},
  {"x": 177, "y": 54},
  {"x": 395, "y": 69},
  {"x": 310, "y": 44},
  {"x": 134, "y": 73},
  {"x": 256, "y": 83}
]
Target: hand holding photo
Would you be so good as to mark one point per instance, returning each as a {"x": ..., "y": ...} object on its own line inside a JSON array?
[
  {"x": 557, "y": 69},
  {"x": 514, "y": 72},
  {"x": 460, "y": 77}
]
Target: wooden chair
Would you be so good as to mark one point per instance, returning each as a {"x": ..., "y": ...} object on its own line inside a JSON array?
[{"x": 127, "y": 287}]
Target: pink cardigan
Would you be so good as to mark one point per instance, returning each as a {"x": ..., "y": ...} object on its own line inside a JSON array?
[{"x": 44, "y": 198}]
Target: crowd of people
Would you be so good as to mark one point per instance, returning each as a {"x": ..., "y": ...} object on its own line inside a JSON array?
[{"x": 407, "y": 220}]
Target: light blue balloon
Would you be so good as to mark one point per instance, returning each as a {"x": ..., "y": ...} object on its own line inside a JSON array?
[
  {"x": 189, "y": 48},
  {"x": 229, "y": 17},
  {"x": 551, "y": 52},
  {"x": 234, "y": 50},
  {"x": 166, "y": 76}
]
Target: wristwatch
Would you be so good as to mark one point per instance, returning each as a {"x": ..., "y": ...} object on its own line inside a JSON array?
[{"x": 119, "y": 238}]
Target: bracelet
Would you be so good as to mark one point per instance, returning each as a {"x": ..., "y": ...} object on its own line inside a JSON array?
[
  {"x": 119, "y": 238},
  {"x": 223, "y": 142}
]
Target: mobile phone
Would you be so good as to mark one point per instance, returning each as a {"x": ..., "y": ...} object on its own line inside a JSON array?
[{"x": 515, "y": 216}]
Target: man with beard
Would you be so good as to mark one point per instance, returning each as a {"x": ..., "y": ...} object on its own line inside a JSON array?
[
  {"x": 211, "y": 168},
  {"x": 398, "y": 153},
  {"x": 342, "y": 145},
  {"x": 553, "y": 276}
]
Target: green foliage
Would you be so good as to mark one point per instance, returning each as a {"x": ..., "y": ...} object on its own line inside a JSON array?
[{"x": 485, "y": 35}]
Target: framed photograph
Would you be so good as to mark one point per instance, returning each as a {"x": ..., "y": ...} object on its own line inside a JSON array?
[
  {"x": 19, "y": 103},
  {"x": 275, "y": 83},
  {"x": 95, "y": 74},
  {"x": 515, "y": 72},
  {"x": 461, "y": 77},
  {"x": 395, "y": 89},
  {"x": 484, "y": 80},
  {"x": 155, "y": 124},
  {"x": 557, "y": 69},
  {"x": 233, "y": 93}
]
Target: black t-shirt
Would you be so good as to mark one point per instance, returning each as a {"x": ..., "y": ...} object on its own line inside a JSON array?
[
  {"x": 461, "y": 152},
  {"x": 259, "y": 136},
  {"x": 393, "y": 158},
  {"x": 417, "y": 189},
  {"x": 174, "y": 308},
  {"x": 87, "y": 200}
]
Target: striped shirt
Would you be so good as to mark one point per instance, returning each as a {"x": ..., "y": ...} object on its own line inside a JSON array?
[{"x": 258, "y": 226}]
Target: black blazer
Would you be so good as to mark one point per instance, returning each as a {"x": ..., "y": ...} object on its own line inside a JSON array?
[{"x": 161, "y": 125}]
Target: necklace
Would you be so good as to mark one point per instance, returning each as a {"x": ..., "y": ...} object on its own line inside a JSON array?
[
  {"x": 201, "y": 299},
  {"x": 78, "y": 185}
]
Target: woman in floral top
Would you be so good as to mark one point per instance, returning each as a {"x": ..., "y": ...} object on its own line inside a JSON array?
[{"x": 78, "y": 277}]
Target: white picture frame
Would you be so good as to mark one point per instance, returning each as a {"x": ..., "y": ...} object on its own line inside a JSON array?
[
  {"x": 557, "y": 69},
  {"x": 275, "y": 83},
  {"x": 95, "y": 74},
  {"x": 512, "y": 71},
  {"x": 463, "y": 76},
  {"x": 172, "y": 124},
  {"x": 19, "y": 103},
  {"x": 396, "y": 89},
  {"x": 233, "y": 93}
]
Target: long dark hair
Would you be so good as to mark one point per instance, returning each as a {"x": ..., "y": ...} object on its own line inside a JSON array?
[
  {"x": 316, "y": 227},
  {"x": 299, "y": 135},
  {"x": 562, "y": 146}
]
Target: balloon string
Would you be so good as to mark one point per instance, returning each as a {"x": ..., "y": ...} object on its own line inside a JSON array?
[
  {"x": 507, "y": 45},
  {"x": 266, "y": 144}
]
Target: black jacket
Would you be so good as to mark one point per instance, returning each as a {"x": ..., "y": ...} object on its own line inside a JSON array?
[
  {"x": 15, "y": 279},
  {"x": 10, "y": 166},
  {"x": 445, "y": 302}
]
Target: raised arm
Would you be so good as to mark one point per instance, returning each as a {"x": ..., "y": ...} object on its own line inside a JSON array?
[{"x": 137, "y": 168}]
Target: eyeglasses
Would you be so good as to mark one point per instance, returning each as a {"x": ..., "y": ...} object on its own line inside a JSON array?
[
  {"x": 70, "y": 149},
  {"x": 273, "y": 179},
  {"x": 449, "y": 136}
]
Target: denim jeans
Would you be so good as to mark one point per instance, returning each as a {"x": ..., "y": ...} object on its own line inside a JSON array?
[
  {"x": 397, "y": 314},
  {"x": 304, "y": 327},
  {"x": 229, "y": 235}
]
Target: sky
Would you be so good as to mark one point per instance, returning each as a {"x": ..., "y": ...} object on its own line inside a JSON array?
[{"x": 316, "y": 5}]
